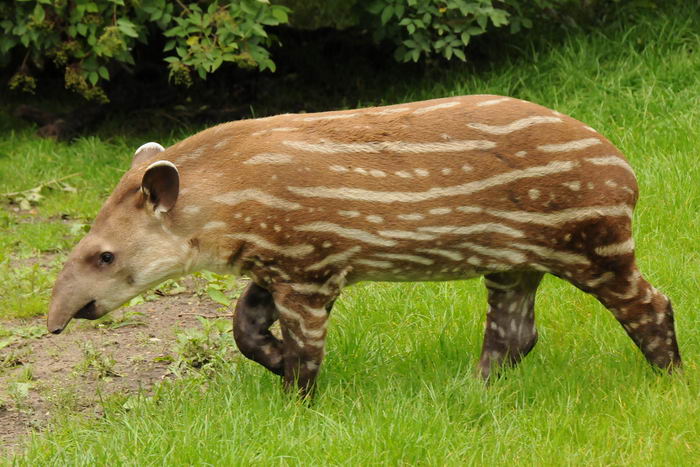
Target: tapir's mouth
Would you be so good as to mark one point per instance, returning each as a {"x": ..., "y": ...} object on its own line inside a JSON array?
[{"x": 89, "y": 311}]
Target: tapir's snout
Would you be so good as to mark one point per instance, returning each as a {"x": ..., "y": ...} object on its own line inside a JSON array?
[{"x": 70, "y": 300}]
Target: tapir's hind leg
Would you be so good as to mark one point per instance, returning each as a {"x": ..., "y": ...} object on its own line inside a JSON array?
[
  {"x": 510, "y": 322},
  {"x": 644, "y": 312},
  {"x": 255, "y": 313}
]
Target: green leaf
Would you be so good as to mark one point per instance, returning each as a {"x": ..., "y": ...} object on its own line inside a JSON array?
[
  {"x": 218, "y": 296},
  {"x": 459, "y": 54},
  {"x": 104, "y": 73},
  {"x": 387, "y": 13},
  {"x": 415, "y": 55},
  {"x": 375, "y": 8},
  {"x": 280, "y": 15},
  {"x": 93, "y": 77},
  {"x": 39, "y": 13},
  {"x": 127, "y": 28}
]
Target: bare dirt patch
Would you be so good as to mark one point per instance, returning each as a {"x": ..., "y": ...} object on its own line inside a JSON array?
[{"x": 42, "y": 376}]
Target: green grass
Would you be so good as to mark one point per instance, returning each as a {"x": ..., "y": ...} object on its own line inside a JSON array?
[{"x": 397, "y": 385}]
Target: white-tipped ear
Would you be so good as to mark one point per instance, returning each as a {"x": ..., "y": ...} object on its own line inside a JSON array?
[
  {"x": 146, "y": 151},
  {"x": 161, "y": 185}
]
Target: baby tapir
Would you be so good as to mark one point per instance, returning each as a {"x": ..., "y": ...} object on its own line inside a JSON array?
[{"x": 438, "y": 190}]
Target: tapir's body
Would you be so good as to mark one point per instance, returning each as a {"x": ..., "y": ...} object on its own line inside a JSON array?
[{"x": 437, "y": 190}]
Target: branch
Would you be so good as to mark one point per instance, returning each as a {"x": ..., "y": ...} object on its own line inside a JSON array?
[{"x": 41, "y": 185}]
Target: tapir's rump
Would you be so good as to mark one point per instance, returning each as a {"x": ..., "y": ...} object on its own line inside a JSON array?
[{"x": 445, "y": 189}]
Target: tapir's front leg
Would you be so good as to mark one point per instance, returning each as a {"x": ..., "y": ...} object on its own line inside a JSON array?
[
  {"x": 255, "y": 313},
  {"x": 303, "y": 319}
]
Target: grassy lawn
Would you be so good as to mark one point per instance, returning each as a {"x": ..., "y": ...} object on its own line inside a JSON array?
[{"x": 397, "y": 385}]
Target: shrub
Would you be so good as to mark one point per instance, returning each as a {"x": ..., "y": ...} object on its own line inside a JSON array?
[
  {"x": 423, "y": 28},
  {"x": 90, "y": 38}
]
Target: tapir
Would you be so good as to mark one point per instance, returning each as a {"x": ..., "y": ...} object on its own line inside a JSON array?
[{"x": 306, "y": 204}]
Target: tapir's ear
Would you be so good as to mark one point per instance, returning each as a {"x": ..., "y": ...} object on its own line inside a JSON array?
[
  {"x": 161, "y": 185},
  {"x": 144, "y": 152}
]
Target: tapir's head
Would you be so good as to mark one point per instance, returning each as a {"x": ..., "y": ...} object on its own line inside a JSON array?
[{"x": 129, "y": 248}]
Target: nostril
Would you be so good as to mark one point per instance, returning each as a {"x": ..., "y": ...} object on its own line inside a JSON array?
[{"x": 57, "y": 331}]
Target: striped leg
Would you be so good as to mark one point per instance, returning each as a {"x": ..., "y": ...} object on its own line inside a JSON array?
[
  {"x": 644, "y": 312},
  {"x": 510, "y": 323},
  {"x": 303, "y": 319},
  {"x": 255, "y": 313}
]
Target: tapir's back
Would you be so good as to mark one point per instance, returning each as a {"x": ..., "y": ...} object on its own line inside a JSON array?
[{"x": 440, "y": 189}]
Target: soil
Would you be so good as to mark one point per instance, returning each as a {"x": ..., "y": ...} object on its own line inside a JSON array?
[{"x": 141, "y": 345}]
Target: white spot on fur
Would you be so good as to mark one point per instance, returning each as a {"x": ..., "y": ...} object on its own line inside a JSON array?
[
  {"x": 440, "y": 211},
  {"x": 430, "y": 108},
  {"x": 352, "y": 234},
  {"x": 513, "y": 126},
  {"x": 411, "y": 217},
  {"x": 469, "y": 209},
  {"x": 270, "y": 158},
  {"x": 574, "y": 186},
  {"x": 294, "y": 251},
  {"x": 491, "y": 102},
  {"x": 487, "y": 227},
  {"x": 549, "y": 253},
  {"x": 421, "y": 172},
  {"x": 273, "y": 130},
  {"x": 374, "y": 264},
  {"x": 390, "y": 111},
  {"x": 334, "y": 258},
  {"x": 377, "y": 173},
  {"x": 349, "y": 214},
  {"x": 509, "y": 255},
  {"x": 375, "y": 147},
  {"x": 446, "y": 171},
  {"x": 616, "y": 249},
  {"x": 403, "y": 257},
  {"x": 375, "y": 219},
  {"x": 569, "y": 146},
  {"x": 403, "y": 174},
  {"x": 329, "y": 117},
  {"x": 534, "y": 193},
  {"x": 406, "y": 234},
  {"x": 191, "y": 209},
  {"x": 214, "y": 225},
  {"x": 453, "y": 255}
]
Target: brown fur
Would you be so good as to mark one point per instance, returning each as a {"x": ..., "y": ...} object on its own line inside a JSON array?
[{"x": 436, "y": 190}]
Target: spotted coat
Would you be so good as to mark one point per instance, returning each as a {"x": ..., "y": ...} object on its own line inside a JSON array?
[{"x": 455, "y": 188}]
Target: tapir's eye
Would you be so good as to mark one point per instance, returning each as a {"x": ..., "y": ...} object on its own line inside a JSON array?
[{"x": 106, "y": 257}]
